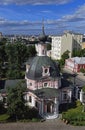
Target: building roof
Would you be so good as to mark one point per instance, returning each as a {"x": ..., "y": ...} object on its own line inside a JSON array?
[
  {"x": 46, "y": 93},
  {"x": 78, "y": 60},
  {"x": 4, "y": 84},
  {"x": 35, "y": 70},
  {"x": 65, "y": 83}
]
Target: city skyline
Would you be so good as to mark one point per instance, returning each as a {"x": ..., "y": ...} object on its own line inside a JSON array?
[{"x": 25, "y": 16}]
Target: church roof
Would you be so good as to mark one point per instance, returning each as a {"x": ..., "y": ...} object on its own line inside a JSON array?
[
  {"x": 46, "y": 93},
  {"x": 35, "y": 70}
]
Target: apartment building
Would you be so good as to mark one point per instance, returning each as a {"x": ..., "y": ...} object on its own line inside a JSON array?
[
  {"x": 56, "y": 47},
  {"x": 83, "y": 42},
  {"x": 67, "y": 41}
]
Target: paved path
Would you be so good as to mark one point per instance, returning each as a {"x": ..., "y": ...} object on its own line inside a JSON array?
[{"x": 47, "y": 125}]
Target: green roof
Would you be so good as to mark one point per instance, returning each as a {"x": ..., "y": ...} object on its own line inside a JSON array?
[
  {"x": 12, "y": 83},
  {"x": 35, "y": 70},
  {"x": 46, "y": 93}
]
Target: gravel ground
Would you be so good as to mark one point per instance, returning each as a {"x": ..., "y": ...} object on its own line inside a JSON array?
[{"x": 47, "y": 125}]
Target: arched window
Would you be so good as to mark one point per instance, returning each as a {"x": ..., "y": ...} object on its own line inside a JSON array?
[
  {"x": 46, "y": 70},
  {"x": 45, "y": 84},
  {"x": 30, "y": 99}
]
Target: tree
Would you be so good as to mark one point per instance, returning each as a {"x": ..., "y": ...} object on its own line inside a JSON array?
[
  {"x": 76, "y": 53},
  {"x": 16, "y": 101},
  {"x": 2, "y": 109},
  {"x": 83, "y": 88},
  {"x": 79, "y": 53},
  {"x": 17, "y": 54},
  {"x": 2, "y": 56},
  {"x": 49, "y": 46},
  {"x": 64, "y": 57},
  {"x": 31, "y": 51}
]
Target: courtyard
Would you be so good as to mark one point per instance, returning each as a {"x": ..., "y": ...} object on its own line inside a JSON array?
[{"x": 55, "y": 124}]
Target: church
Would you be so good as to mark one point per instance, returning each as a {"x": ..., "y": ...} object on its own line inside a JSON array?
[{"x": 45, "y": 88}]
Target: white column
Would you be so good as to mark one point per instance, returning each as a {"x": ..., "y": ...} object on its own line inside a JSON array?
[
  {"x": 33, "y": 101},
  {"x": 77, "y": 92},
  {"x": 81, "y": 96},
  {"x": 39, "y": 107},
  {"x": 56, "y": 106},
  {"x": 70, "y": 95},
  {"x": 45, "y": 108},
  {"x": 51, "y": 108},
  {"x": 42, "y": 106}
]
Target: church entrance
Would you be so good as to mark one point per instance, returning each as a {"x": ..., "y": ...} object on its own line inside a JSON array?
[{"x": 50, "y": 107}]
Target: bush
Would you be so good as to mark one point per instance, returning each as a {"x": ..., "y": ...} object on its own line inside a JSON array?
[
  {"x": 4, "y": 118},
  {"x": 82, "y": 70},
  {"x": 78, "y": 103},
  {"x": 35, "y": 120},
  {"x": 75, "y": 116}
]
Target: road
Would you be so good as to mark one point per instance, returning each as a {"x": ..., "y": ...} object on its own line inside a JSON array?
[
  {"x": 56, "y": 124},
  {"x": 75, "y": 79}
]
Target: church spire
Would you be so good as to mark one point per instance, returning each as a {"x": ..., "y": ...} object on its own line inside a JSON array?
[
  {"x": 41, "y": 47},
  {"x": 43, "y": 31},
  {"x": 43, "y": 37}
]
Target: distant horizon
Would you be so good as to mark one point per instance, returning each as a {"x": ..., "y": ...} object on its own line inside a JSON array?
[
  {"x": 25, "y": 16},
  {"x": 40, "y": 32}
]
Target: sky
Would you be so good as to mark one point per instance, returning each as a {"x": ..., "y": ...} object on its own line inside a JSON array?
[{"x": 26, "y": 16}]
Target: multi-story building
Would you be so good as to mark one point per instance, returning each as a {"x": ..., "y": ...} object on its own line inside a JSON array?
[
  {"x": 83, "y": 42},
  {"x": 68, "y": 41},
  {"x": 1, "y": 35},
  {"x": 56, "y": 47}
]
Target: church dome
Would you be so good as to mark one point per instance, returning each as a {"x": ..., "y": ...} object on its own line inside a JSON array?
[
  {"x": 43, "y": 38},
  {"x": 36, "y": 68}
]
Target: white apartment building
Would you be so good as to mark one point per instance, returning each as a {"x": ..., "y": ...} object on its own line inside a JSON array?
[
  {"x": 56, "y": 47},
  {"x": 67, "y": 41}
]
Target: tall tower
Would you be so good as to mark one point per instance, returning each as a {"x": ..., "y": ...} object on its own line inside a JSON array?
[{"x": 41, "y": 47}]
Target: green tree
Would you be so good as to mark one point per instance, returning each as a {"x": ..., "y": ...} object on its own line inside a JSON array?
[
  {"x": 64, "y": 57},
  {"x": 49, "y": 46},
  {"x": 2, "y": 109},
  {"x": 2, "y": 56},
  {"x": 78, "y": 53},
  {"x": 83, "y": 88},
  {"x": 17, "y": 55},
  {"x": 16, "y": 101},
  {"x": 31, "y": 51}
]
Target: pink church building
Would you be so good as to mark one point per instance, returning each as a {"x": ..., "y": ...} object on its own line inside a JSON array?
[{"x": 43, "y": 79}]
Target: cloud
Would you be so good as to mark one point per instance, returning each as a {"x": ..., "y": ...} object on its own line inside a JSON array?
[
  {"x": 74, "y": 22},
  {"x": 79, "y": 15},
  {"x": 34, "y": 2}
]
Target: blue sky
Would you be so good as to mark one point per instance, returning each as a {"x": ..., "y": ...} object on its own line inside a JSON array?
[{"x": 25, "y": 16}]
